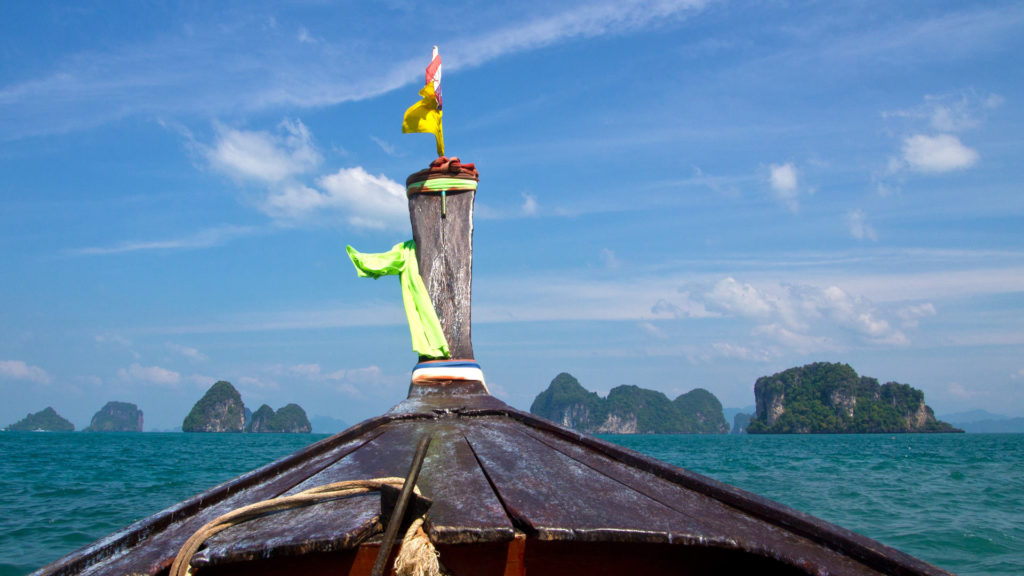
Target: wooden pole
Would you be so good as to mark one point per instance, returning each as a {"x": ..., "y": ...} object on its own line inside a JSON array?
[{"x": 442, "y": 226}]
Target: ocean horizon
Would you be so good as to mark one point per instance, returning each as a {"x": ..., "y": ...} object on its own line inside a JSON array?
[{"x": 954, "y": 500}]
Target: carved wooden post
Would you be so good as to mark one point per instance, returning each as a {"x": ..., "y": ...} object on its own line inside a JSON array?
[{"x": 441, "y": 210}]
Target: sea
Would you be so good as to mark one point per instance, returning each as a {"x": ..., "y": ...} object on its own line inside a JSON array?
[{"x": 954, "y": 500}]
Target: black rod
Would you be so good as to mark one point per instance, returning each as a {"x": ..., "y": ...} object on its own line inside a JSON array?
[{"x": 391, "y": 532}]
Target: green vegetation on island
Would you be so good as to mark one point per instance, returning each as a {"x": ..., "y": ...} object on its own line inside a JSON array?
[
  {"x": 629, "y": 410},
  {"x": 46, "y": 420},
  {"x": 117, "y": 417},
  {"x": 289, "y": 419},
  {"x": 832, "y": 398},
  {"x": 219, "y": 410}
]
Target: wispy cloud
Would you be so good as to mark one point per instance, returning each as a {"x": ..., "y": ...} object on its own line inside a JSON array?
[
  {"x": 263, "y": 156},
  {"x": 19, "y": 370},
  {"x": 858, "y": 225},
  {"x": 149, "y": 375},
  {"x": 203, "y": 239},
  {"x": 188, "y": 352},
  {"x": 177, "y": 75}
]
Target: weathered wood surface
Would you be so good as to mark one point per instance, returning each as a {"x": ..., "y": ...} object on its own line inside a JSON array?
[
  {"x": 501, "y": 479},
  {"x": 444, "y": 248}
]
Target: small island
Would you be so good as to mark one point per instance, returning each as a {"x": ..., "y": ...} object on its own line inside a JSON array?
[
  {"x": 629, "y": 410},
  {"x": 829, "y": 398},
  {"x": 117, "y": 417},
  {"x": 46, "y": 420},
  {"x": 219, "y": 410},
  {"x": 290, "y": 419}
]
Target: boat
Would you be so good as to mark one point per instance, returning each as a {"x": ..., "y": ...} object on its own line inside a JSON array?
[{"x": 484, "y": 488}]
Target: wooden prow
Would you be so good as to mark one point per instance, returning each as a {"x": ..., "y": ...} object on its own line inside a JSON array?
[{"x": 441, "y": 211}]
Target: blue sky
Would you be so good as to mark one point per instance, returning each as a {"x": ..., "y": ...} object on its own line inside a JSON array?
[{"x": 673, "y": 194}]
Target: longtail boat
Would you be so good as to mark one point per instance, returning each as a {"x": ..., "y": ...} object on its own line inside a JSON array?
[{"x": 499, "y": 492}]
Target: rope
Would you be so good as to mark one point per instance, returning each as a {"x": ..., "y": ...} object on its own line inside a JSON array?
[{"x": 419, "y": 560}]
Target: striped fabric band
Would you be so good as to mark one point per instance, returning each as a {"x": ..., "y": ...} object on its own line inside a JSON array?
[
  {"x": 440, "y": 185},
  {"x": 442, "y": 370}
]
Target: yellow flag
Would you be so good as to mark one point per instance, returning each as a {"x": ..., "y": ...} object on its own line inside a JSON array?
[{"x": 425, "y": 116}]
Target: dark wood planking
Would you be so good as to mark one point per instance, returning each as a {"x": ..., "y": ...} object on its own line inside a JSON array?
[
  {"x": 444, "y": 248},
  {"x": 865, "y": 550},
  {"x": 464, "y": 509},
  {"x": 741, "y": 531},
  {"x": 555, "y": 497},
  {"x": 324, "y": 527},
  {"x": 147, "y": 545}
]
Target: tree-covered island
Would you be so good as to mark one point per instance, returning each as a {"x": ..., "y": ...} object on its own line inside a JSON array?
[
  {"x": 629, "y": 410},
  {"x": 823, "y": 398}
]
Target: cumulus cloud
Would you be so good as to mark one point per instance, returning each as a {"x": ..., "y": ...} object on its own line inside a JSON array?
[
  {"x": 263, "y": 156},
  {"x": 19, "y": 370},
  {"x": 804, "y": 318},
  {"x": 150, "y": 375},
  {"x": 859, "y": 227},
  {"x": 783, "y": 180},
  {"x": 742, "y": 299},
  {"x": 937, "y": 154}
]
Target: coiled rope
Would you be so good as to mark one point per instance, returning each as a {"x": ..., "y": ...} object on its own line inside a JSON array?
[{"x": 417, "y": 556}]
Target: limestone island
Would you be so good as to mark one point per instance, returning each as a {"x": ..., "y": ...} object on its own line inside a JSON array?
[
  {"x": 827, "y": 398},
  {"x": 221, "y": 410},
  {"x": 116, "y": 417},
  {"x": 629, "y": 410},
  {"x": 290, "y": 419},
  {"x": 46, "y": 420}
]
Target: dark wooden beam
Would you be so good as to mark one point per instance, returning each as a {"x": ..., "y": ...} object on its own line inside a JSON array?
[{"x": 442, "y": 226}]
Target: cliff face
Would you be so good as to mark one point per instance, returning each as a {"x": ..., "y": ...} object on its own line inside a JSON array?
[
  {"x": 832, "y": 398},
  {"x": 46, "y": 420},
  {"x": 629, "y": 410},
  {"x": 219, "y": 410},
  {"x": 117, "y": 417}
]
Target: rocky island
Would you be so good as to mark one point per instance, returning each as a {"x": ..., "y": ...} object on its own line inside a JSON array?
[
  {"x": 823, "y": 398},
  {"x": 46, "y": 420},
  {"x": 219, "y": 410},
  {"x": 629, "y": 410},
  {"x": 290, "y": 419},
  {"x": 117, "y": 417}
]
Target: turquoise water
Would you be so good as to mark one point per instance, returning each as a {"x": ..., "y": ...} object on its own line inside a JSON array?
[{"x": 954, "y": 500}]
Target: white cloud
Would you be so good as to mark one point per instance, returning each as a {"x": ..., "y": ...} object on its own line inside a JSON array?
[
  {"x": 529, "y": 204},
  {"x": 913, "y": 313},
  {"x": 609, "y": 259},
  {"x": 859, "y": 228},
  {"x": 937, "y": 154},
  {"x": 386, "y": 146},
  {"x": 188, "y": 352},
  {"x": 651, "y": 330},
  {"x": 262, "y": 156},
  {"x": 149, "y": 374},
  {"x": 369, "y": 201},
  {"x": 258, "y": 68},
  {"x": 19, "y": 370},
  {"x": 805, "y": 318},
  {"x": 783, "y": 179},
  {"x": 203, "y": 239},
  {"x": 742, "y": 299}
]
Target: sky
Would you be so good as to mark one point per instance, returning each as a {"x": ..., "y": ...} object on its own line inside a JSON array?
[{"x": 673, "y": 195}]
